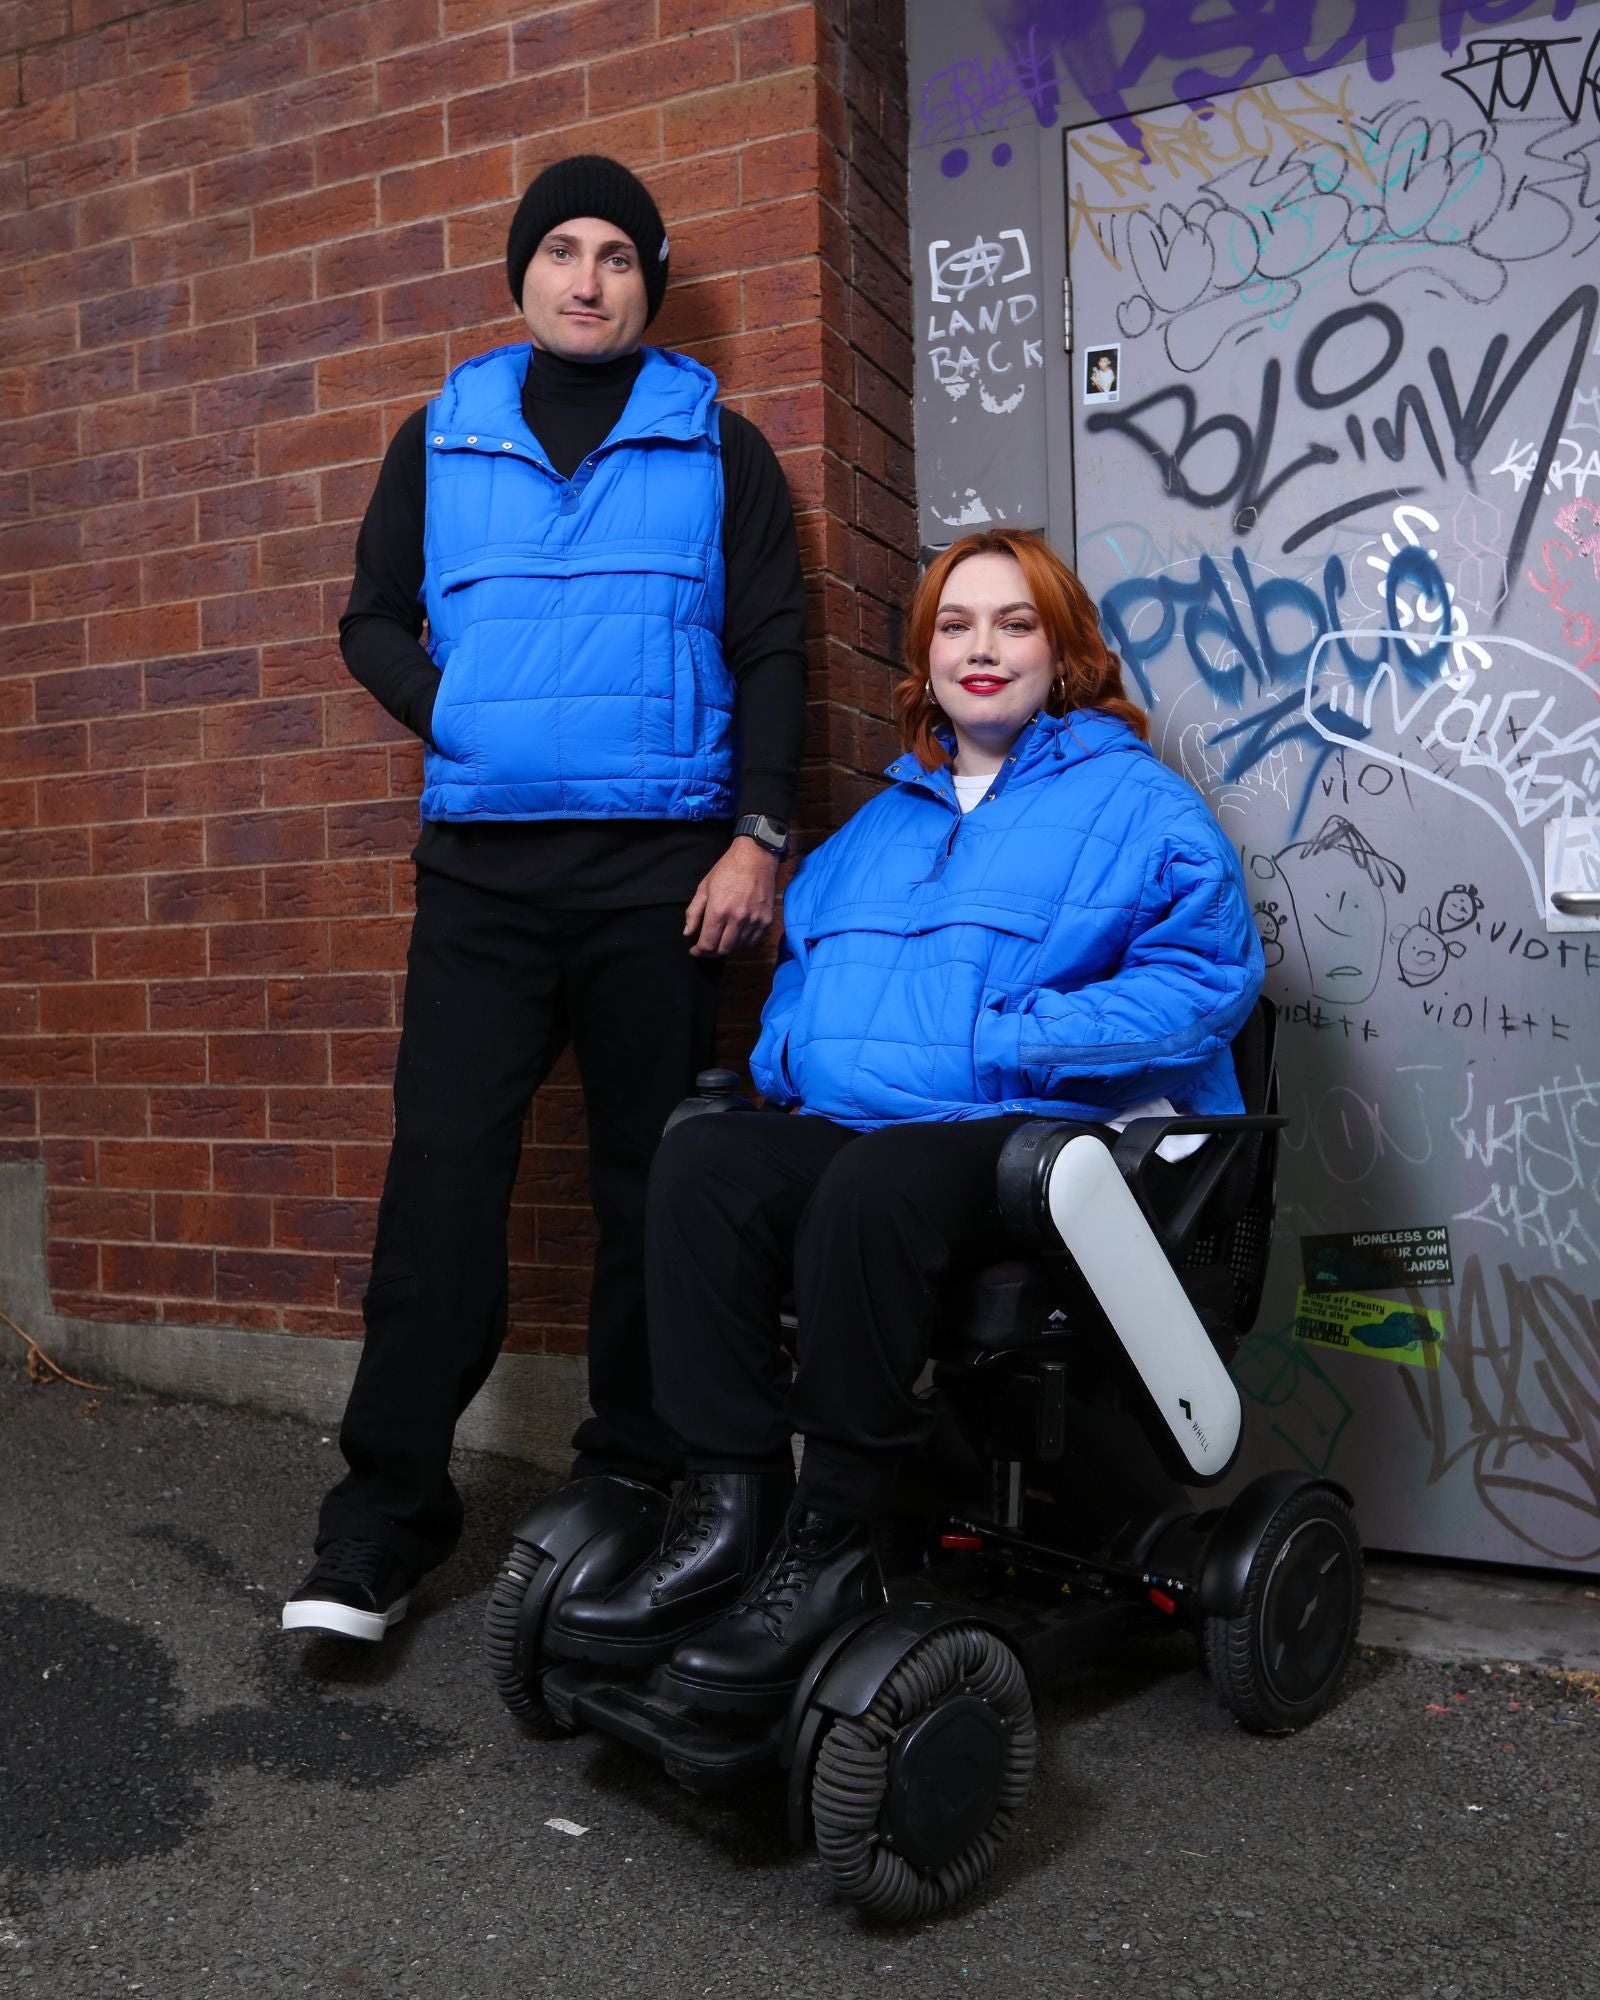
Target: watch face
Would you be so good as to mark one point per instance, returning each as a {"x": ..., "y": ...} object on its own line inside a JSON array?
[{"x": 771, "y": 834}]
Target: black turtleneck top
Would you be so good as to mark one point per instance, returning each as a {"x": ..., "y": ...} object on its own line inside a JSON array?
[{"x": 571, "y": 407}]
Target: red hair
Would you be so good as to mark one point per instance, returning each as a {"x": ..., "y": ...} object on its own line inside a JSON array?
[{"x": 1090, "y": 674}]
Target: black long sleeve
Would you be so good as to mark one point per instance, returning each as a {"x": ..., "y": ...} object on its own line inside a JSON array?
[
  {"x": 380, "y": 632},
  {"x": 570, "y": 408}
]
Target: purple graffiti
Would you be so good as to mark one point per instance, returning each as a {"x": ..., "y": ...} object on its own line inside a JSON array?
[
  {"x": 976, "y": 95},
  {"x": 1221, "y": 50}
]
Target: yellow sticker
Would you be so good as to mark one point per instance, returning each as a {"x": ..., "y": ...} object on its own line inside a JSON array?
[{"x": 1381, "y": 1329}]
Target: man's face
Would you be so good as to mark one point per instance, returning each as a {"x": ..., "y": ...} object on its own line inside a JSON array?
[{"x": 583, "y": 296}]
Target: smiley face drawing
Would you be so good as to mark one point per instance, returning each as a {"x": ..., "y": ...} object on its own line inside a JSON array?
[
  {"x": 1421, "y": 953},
  {"x": 1458, "y": 907},
  {"x": 1335, "y": 883},
  {"x": 1269, "y": 928}
]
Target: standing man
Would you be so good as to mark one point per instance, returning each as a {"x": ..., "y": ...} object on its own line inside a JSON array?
[{"x": 611, "y": 702}]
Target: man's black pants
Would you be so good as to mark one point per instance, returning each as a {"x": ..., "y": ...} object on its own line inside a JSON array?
[
  {"x": 495, "y": 989},
  {"x": 870, "y": 1225}
]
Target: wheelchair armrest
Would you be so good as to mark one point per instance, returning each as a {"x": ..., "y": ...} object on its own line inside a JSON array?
[
  {"x": 715, "y": 1090},
  {"x": 1137, "y": 1145},
  {"x": 1023, "y": 1174},
  {"x": 1022, "y": 1179}
]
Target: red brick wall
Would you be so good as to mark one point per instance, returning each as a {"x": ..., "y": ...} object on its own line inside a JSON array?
[{"x": 241, "y": 239}]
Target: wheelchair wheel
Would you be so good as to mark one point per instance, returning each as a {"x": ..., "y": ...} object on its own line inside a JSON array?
[
  {"x": 583, "y": 1537},
  {"x": 513, "y": 1621},
  {"x": 1277, "y": 1662},
  {"x": 911, "y": 1800}
]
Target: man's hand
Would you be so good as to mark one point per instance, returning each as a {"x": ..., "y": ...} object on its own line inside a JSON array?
[{"x": 733, "y": 905}]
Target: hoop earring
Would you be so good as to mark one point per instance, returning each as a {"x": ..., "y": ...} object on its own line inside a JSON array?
[{"x": 1058, "y": 687}]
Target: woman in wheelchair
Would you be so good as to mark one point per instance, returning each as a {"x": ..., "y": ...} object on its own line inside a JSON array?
[{"x": 1036, "y": 919}]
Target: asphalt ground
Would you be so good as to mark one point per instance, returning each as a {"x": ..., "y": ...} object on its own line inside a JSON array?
[{"x": 193, "y": 1803}]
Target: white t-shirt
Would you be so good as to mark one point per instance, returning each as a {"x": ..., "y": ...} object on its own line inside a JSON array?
[{"x": 972, "y": 792}]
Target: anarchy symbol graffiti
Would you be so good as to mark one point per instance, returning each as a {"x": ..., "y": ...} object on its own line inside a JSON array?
[{"x": 956, "y": 273}]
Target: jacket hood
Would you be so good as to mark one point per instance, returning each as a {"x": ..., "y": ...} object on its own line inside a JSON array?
[{"x": 1048, "y": 743}]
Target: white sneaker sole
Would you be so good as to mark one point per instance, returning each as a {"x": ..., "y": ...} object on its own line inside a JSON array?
[{"x": 313, "y": 1614}]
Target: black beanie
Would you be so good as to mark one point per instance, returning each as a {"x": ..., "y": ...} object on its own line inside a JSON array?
[{"x": 589, "y": 184}]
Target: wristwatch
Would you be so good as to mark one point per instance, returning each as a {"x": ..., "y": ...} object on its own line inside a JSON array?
[{"x": 772, "y": 834}]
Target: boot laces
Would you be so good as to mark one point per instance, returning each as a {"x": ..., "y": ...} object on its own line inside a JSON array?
[
  {"x": 788, "y": 1576},
  {"x": 782, "y": 1587},
  {"x": 689, "y": 1524}
]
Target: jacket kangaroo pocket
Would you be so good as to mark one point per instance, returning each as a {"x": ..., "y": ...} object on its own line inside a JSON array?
[{"x": 893, "y": 988}]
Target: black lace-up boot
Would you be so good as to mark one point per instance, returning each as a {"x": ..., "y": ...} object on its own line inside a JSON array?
[
  {"x": 822, "y": 1571},
  {"x": 720, "y": 1526}
]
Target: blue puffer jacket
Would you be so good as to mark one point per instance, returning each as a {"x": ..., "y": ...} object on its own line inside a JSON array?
[
  {"x": 577, "y": 623},
  {"x": 1077, "y": 944}
]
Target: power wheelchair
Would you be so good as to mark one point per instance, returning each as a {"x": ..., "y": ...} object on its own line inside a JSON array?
[{"x": 1080, "y": 1392}]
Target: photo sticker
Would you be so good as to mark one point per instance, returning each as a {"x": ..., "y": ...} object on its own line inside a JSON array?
[{"x": 1102, "y": 374}]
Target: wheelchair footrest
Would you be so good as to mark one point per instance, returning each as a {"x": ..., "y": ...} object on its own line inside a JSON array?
[
  {"x": 705, "y": 1753},
  {"x": 1053, "y": 1639}
]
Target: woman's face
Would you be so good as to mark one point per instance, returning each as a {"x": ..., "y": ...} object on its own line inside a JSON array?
[{"x": 991, "y": 662}]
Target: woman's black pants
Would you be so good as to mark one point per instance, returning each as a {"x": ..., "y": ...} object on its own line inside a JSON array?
[
  {"x": 495, "y": 989},
  {"x": 870, "y": 1227}
]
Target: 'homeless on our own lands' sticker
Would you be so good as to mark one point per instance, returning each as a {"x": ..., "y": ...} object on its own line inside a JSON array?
[
  {"x": 1378, "y": 1258},
  {"x": 1381, "y": 1329}
]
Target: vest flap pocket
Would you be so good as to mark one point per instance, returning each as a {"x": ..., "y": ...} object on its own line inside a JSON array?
[
  {"x": 1015, "y": 917},
  {"x": 640, "y": 559}
]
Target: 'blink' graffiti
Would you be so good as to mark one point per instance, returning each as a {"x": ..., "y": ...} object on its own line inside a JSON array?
[{"x": 1338, "y": 367}]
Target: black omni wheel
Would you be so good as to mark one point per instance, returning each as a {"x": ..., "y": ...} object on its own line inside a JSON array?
[
  {"x": 1278, "y": 1660},
  {"x": 585, "y": 1536},
  {"x": 912, "y": 1799},
  {"x": 512, "y": 1624}
]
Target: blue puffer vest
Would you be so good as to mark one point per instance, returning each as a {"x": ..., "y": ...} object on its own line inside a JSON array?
[
  {"x": 577, "y": 623},
  {"x": 1079, "y": 943}
]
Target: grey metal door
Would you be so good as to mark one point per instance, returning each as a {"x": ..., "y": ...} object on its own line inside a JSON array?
[{"x": 1336, "y": 421}]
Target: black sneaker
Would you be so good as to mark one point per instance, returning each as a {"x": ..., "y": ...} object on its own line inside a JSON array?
[{"x": 357, "y": 1589}]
